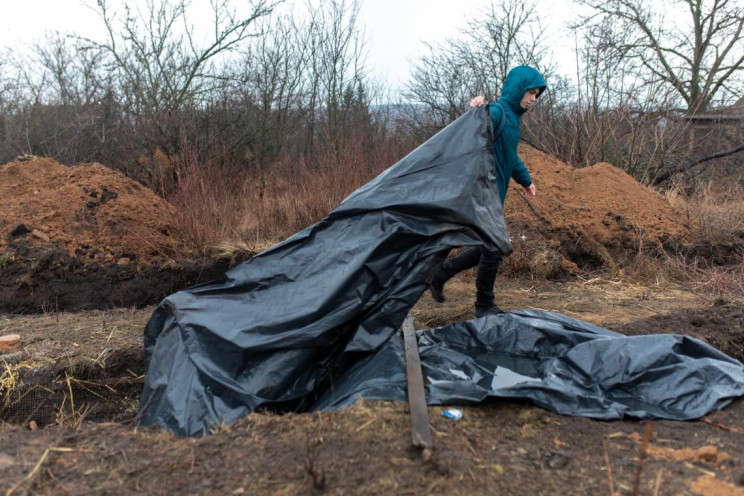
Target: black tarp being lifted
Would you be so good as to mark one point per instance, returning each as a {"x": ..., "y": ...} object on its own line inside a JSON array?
[
  {"x": 311, "y": 323},
  {"x": 276, "y": 330}
]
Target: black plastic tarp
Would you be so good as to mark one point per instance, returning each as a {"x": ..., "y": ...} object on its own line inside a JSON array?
[
  {"x": 276, "y": 330},
  {"x": 312, "y": 322},
  {"x": 561, "y": 364}
]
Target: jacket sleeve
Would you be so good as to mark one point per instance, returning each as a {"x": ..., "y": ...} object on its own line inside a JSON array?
[
  {"x": 520, "y": 174},
  {"x": 496, "y": 112}
]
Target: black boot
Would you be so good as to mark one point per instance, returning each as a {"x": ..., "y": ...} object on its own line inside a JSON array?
[
  {"x": 436, "y": 285},
  {"x": 490, "y": 310},
  {"x": 485, "y": 278},
  {"x": 465, "y": 260}
]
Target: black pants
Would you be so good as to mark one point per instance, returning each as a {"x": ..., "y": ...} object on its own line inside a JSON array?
[{"x": 488, "y": 265}]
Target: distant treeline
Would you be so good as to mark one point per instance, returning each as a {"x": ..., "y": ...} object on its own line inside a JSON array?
[{"x": 269, "y": 91}]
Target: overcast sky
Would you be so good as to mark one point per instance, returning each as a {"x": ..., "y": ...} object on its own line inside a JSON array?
[{"x": 395, "y": 29}]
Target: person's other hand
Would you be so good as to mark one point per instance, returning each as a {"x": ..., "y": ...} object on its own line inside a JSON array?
[
  {"x": 478, "y": 101},
  {"x": 530, "y": 191}
]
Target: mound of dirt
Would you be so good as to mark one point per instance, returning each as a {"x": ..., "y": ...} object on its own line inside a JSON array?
[
  {"x": 589, "y": 218},
  {"x": 88, "y": 237},
  {"x": 90, "y": 210},
  {"x": 84, "y": 237}
]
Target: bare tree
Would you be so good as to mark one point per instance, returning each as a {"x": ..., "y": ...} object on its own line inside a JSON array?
[
  {"x": 701, "y": 58},
  {"x": 610, "y": 115},
  {"x": 8, "y": 102},
  {"x": 55, "y": 108},
  {"x": 477, "y": 62},
  {"x": 159, "y": 65},
  {"x": 75, "y": 71},
  {"x": 336, "y": 51},
  {"x": 270, "y": 82}
]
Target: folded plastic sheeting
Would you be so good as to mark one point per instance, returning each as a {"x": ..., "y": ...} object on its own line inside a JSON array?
[
  {"x": 559, "y": 363},
  {"x": 279, "y": 329}
]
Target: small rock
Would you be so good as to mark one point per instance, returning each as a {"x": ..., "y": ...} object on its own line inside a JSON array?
[
  {"x": 557, "y": 460},
  {"x": 708, "y": 454},
  {"x": 10, "y": 342},
  {"x": 124, "y": 261},
  {"x": 6, "y": 461},
  {"x": 41, "y": 235}
]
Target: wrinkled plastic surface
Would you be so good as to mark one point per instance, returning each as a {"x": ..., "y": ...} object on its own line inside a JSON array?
[
  {"x": 559, "y": 363},
  {"x": 312, "y": 323},
  {"x": 278, "y": 329}
]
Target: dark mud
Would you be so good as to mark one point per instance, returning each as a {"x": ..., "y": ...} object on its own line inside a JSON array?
[
  {"x": 720, "y": 324},
  {"x": 45, "y": 277},
  {"x": 90, "y": 363}
]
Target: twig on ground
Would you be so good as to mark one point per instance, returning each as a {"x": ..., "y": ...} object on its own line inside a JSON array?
[
  {"x": 532, "y": 207},
  {"x": 658, "y": 482},
  {"x": 35, "y": 469},
  {"x": 365, "y": 425},
  {"x": 721, "y": 426},
  {"x": 641, "y": 457},
  {"x": 609, "y": 468}
]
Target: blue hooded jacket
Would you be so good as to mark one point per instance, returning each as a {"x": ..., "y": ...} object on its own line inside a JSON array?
[{"x": 508, "y": 163}]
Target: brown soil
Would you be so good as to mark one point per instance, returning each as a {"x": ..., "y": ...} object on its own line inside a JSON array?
[
  {"x": 91, "y": 211},
  {"x": 86, "y": 237},
  {"x": 591, "y": 218},
  {"x": 502, "y": 447}
]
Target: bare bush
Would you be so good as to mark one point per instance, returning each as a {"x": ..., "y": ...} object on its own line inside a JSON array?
[
  {"x": 158, "y": 68},
  {"x": 215, "y": 205},
  {"x": 700, "y": 58},
  {"x": 716, "y": 212},
  {"x": 453, "y": 72}
]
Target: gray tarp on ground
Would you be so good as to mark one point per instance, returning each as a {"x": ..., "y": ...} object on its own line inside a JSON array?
[
  {"x": 308, "y": 323},
  {"x": 561, "y": 364}
]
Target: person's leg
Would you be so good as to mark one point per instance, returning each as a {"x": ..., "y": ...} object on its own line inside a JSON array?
[
  {"x": 484, "y": 281},
  {"x": 463, "y": 261}
]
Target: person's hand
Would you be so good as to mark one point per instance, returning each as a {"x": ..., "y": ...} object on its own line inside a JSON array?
[
  {"x": 478, "y": 101},
  {"x": 530, "y": 191}
]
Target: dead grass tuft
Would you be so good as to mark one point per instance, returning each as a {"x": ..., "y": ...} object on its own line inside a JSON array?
[
  {"x": 717, "y": 212},
  {"x": 8, "y": 381}
]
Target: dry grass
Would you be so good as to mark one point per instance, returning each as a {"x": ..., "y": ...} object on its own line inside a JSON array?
[
  {"x": 226, "y": 210},
  {"x": 8, "y": 381},
  {"x": 661, "y": 268},
  {"x": 717, "y": 212},
  {"x": 716, "y": 216},
  {"x": 221, "y": 208}
]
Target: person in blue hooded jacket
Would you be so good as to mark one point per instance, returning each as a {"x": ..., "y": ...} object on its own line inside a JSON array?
[{"x": 522, "y": 87}]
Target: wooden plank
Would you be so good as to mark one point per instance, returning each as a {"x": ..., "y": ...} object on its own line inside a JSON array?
[{"x": 420, "y": 431}]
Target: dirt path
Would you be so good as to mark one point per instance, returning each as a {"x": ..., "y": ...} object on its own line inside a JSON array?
[{"x": 497, "y": 448}]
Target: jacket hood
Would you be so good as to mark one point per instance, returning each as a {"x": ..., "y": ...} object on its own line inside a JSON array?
[{"x": 519, "y": 80}]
